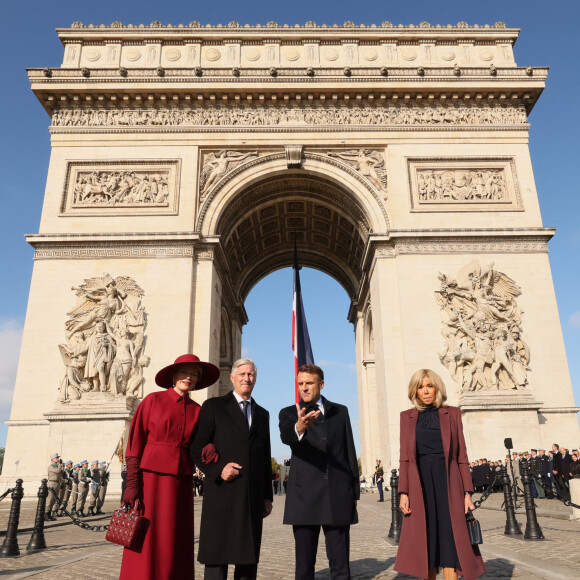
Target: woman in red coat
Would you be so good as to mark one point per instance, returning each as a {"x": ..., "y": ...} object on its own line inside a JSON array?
[
  {"x": 160, "y": 471},
  {"x": 434, "y": 486}
]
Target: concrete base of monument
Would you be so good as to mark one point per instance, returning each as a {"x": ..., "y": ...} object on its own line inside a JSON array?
[
  {"x": 489, "y": 417},
  {"x": 94, "y": 404}
]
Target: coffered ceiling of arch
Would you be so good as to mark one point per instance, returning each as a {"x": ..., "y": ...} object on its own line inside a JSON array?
[{"x": 259, "y": 228}]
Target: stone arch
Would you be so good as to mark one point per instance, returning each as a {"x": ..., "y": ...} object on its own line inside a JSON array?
[{"x": 259, "y": 209}]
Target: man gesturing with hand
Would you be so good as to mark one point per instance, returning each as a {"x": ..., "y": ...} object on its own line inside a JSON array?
[
  {"x": 323, "y": 486},
  {"x": 238, "y": 489}
]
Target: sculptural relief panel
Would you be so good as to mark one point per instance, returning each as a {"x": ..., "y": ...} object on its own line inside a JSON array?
[
  {"x": 463, "y": 184},
  {"x": 483, "y": 347},
  {"x": 363, "y": 114},
  {"x": 217, "y": 164},
  {"x": 121, "y": 188},
  {"x": 104, "y": 346}
]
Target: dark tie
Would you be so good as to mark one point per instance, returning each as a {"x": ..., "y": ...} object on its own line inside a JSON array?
[
  {"x": 312, "y": 407},
  {"x": 246, "y": 411}
]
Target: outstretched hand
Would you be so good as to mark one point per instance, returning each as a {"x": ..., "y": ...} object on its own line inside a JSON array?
[{"x": 305, "y": 419}]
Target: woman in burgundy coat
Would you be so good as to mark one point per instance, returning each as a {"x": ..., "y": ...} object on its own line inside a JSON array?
[
  {"x": 160, "y": 471},
  {"x": 434, "y": 486}
]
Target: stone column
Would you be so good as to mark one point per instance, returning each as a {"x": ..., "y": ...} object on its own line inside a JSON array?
[{"x": 391, "y": 379}]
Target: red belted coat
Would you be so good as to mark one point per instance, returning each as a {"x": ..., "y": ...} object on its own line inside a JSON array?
[
  {"x": 161, "y": 430},
  {"x": 412, "y": 557}
]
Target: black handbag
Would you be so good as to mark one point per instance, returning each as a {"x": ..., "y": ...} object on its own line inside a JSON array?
[{"x": 474, "y": 528}]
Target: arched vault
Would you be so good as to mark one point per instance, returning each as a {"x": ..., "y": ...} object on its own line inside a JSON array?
[{"x": 262, "y": 208}]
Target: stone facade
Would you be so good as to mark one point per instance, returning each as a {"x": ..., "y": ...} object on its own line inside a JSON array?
[{"x": 396, "y": 156}]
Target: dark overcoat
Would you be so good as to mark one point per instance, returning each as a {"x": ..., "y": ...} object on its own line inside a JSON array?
[
  {"x": 324, "y": 482},
  {"x": 412, "y": 557},
  {"x": 232, "y": 512}
]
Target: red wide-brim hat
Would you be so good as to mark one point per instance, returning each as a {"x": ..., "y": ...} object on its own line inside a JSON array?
[{"x": 164, "y": 378}]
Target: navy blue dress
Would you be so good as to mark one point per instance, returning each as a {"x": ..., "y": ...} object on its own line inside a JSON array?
[{"x": 432, "y": 472}]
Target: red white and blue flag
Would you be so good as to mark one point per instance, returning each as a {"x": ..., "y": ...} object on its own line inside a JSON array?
[{"x": 300, "y": 338}]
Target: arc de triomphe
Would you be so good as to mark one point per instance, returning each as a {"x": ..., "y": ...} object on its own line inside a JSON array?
[{"x": 185, "y": 159}]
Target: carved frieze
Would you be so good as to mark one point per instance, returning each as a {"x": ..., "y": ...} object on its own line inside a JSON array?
[
  {"x": 463, "y": 184},
  {"x": 287, "y": 115},
  {"x": 103, "y": 352},
  {"x": 121, "y": 187},
  {"x": 483, "y": 348}
]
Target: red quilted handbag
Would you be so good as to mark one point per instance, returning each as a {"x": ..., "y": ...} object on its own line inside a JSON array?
[{"x": 128, "y": 528}]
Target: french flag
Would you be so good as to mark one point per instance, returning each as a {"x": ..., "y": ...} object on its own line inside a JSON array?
[{"x": 300, "y": 338}]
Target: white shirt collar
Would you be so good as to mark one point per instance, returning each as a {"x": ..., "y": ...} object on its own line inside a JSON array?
[{"x": 240, "y": 399}]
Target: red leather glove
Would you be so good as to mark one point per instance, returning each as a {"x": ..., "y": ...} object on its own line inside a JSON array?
[
  {"x": 134, "y": 482},
  {"x": 209, "y": 454}
]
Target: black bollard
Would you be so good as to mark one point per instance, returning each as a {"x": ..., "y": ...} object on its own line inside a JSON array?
[
  {"x": 10, "y": 545},
  {"x": 395, "y": 529},
  {"x": 512, "y": 528},
  {"x": 533, "y": 529},
  {"x": 37, "y": 541}
]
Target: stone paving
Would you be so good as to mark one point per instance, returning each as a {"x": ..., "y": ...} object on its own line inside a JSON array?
[{"x": 75, "y": 553}]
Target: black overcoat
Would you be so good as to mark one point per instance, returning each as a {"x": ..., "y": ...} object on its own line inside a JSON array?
[
  {"x": 324, "y": 482},
  {"x": 232, "y": 512}
]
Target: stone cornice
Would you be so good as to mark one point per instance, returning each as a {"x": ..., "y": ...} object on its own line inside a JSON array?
[{"x": 454, "y": 241}]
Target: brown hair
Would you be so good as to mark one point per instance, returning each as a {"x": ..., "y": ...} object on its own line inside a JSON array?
[
  {"x": 312, "y": 370},
  {"x": 436, "y": 381}
]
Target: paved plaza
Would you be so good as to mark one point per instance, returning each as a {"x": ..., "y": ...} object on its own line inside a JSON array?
[{"x": 75, "y": 553}]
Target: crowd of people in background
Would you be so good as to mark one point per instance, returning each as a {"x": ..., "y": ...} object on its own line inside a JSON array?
[
  {"x": 550, "y": 471},
  {"x": 74, "y": 483}
]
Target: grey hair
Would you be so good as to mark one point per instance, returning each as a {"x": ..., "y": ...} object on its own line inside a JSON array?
[{"x": 244, "y": 361}]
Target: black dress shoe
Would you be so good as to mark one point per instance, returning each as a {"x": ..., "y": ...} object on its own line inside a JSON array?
[{"x": 379, "y": 500}]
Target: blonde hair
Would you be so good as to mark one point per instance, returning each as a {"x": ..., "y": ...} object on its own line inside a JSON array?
[{"x": 436, "y": 381}]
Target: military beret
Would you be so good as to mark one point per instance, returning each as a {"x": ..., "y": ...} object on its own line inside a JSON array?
[
  {"x": 84, "y": 462},
  {"x": 69, "y": 462},
  {"x": 102, "y": 463},
  {"x": 76, "y": 465},
  {"x": 54, "y": 456}
]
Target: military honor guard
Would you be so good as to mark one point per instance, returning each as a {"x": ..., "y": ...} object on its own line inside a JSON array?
[
  {"x": 95, "y": 484},
  {"x": 54, "y": 479},
  {"x": 104, "y": 475}
]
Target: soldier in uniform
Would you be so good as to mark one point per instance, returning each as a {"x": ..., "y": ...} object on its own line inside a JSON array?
[
  {"x": 83, "y": 488},
  {"x": 54, "y": 479},
  {"x": 103, "y": 489},
  {"x": 65, "y": 486},
  {"x": 536, "y": 473},
  {"x": 95, "y": 483},
  {"x": 75, "y": 487}
]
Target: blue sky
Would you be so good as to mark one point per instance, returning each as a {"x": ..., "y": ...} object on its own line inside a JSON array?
[{"x": 548, "y": 38}]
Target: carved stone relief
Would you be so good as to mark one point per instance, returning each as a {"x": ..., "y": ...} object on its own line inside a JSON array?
[
  {"x": 250, "y": 115},
  {"x": 369, "y": 163},
  {"x": 102, "y": 188},
  {"x": 217, "y": 164},
  {"x": 464, "y": 184},
  {"x": 103, "y": 352},
  {"x": 448, "y": 185},
  {"x": 482, "y": 330}
]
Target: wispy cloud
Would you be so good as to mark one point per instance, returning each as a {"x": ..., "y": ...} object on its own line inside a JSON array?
[
  {"x": 10, "y": 339},
  {"x": 574, "y": 320},
  {"x": 333, "y": 363}
]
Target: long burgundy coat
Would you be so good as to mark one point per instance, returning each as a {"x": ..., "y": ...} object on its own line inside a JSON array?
[{"x": 412, "y": 557}]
